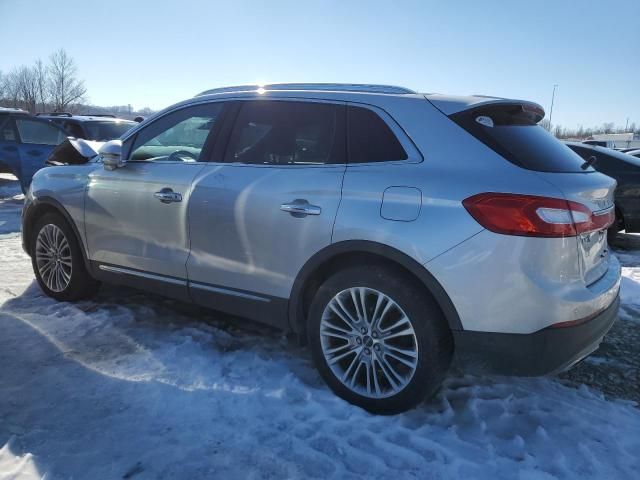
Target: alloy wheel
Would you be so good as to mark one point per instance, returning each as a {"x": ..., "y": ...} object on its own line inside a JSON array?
[
  {"x": 53, "y": 258},
  {"x": 368, "y": 342}
]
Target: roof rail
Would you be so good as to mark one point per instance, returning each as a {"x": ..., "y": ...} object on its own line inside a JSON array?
[
  {"x": 340, "y": 87},
  {"x": 108, "y": 115},
  {"x": 54, "y": 114}
]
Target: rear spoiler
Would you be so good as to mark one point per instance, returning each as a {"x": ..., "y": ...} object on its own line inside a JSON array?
[{"x": 451, "y": 105}]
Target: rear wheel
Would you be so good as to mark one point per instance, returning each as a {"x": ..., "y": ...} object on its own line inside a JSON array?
[
  {"x": 378, "y": 340},
  {"x": 57, "y": 260}
]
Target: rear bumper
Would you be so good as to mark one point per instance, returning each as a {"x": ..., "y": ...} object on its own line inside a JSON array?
[{"x": 546, "y": 351}]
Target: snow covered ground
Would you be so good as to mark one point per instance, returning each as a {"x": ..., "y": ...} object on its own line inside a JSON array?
[{"x": 130, "y": 385}]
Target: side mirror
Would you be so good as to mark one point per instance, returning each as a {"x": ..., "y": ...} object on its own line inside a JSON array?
[{"x": 111, "y": 154}]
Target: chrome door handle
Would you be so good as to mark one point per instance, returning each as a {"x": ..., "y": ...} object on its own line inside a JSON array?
[
  {"x": 300, "y": 208},
  {"x": 166, "y": 195}
]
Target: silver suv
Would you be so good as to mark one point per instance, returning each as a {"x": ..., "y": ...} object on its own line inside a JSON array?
[{"x": 391, "y": 230}]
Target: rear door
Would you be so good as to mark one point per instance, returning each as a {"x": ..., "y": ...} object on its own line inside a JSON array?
[
  {"x": 594, "y": 190},
  {"x": 37, "y": 139},
  {"x": 9, "y": 156},
  {"x": 262, "y": 209}
]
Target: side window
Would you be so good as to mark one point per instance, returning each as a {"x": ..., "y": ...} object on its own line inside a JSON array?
[
  {"x": 370, "y": 138},
  {"x": 38, "y": 132},
  {"x": 8, "y": 133},
  {"x": 178, "y": 136},
  {"x": 287, "y": 133}
]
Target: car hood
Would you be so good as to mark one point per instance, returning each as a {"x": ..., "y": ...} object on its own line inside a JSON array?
[{"x": 74, "y": 151}]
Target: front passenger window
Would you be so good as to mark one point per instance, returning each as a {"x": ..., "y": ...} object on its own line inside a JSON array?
[{"x": 178, "y": 136}]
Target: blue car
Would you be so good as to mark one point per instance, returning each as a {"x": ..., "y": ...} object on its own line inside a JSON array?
[{"x": 25, "y": 143}]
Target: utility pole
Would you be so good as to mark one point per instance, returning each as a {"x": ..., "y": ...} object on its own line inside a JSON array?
[
  {"x": 626, "y": 127},
  {"x": 553, "y": 96}
]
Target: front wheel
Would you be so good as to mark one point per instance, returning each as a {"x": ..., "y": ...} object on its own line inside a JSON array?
[
  {"x": 57, "y": 260},
  {"x": 378, "y": 339}
]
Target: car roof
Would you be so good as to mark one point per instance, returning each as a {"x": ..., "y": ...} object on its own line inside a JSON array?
[
  {"x": 83, "y": 118},
  {"x": 448, "y": 104},
  {"x": 19, "y": 111}
]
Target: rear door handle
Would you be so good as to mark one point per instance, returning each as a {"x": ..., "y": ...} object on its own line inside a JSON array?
[
  {"x": 300, "y": 208},
  {"x": 167, "y": 195}
]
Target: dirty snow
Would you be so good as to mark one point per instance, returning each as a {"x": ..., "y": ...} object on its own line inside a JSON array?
[{"x": 130, "y": 385}]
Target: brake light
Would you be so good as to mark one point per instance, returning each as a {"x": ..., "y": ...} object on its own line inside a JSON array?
[{"x": 534, "y": 216}]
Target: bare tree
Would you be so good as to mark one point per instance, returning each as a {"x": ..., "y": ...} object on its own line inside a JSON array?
[
  {"x": 65, "y": 89},
  {"x": 23, "y": 88},
  {"x": 3, "y": 85},
  {"x": 42, "y": 84}
]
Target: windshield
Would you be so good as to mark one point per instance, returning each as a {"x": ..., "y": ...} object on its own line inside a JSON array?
[{"x": 104, "y": 131}]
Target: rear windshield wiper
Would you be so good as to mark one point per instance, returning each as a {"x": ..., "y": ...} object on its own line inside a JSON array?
[{"x": 588, "y": 163}]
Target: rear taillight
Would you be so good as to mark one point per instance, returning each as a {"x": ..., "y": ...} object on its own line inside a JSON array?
[{"x": 533, "y": 216}]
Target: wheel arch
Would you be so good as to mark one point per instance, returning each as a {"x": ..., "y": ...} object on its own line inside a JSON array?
[
  {"x": 349, "y": 252},
  {"x": 41, "y": 206}
]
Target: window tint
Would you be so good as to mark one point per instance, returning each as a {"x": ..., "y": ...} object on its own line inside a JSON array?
[
  {"x": 103, "y": 131},
  {"x": 178, "y": 136},
  {"x": 516, "y": 136},
  {"x": 73, "y": 129},
  {"x": 41, "y": 133},
  {"x": 371, "y": 139},
  {"x": 286, "y": 133},
  {"x": 8, "y": 133}
]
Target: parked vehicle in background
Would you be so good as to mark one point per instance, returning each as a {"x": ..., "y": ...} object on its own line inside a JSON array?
[
  {"x": 614, "y": 140},
  {"x": 625, "y": 168},
  {"x": 392, "y": 230},
  {"x": 634, "y": 153},
  {"x": 97, "y": 127},
  {"x": 25, "y": 143}
]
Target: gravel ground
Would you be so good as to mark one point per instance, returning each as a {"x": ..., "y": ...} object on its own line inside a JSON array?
[{"x": 615, "y": 368}]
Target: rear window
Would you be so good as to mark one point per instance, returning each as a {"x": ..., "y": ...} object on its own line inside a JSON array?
[{"x": 512, "y": 132}]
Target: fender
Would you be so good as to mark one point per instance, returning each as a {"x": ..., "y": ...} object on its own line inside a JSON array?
[
  {"x": 28, "y": 219},
  {"x": 296, "y": 306}
]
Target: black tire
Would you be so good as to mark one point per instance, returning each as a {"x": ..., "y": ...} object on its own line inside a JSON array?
[
  {"x": 81, "y": 283},
  {"x": 432, "y": 335}
]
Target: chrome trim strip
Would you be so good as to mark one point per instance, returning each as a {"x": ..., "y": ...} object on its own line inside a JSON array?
[
  {"x": 150, "y": 276},
  {"x": 225, "y": 291}
]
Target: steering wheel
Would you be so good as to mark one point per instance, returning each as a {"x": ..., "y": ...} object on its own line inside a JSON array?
[{"x": 179, "y": 155}]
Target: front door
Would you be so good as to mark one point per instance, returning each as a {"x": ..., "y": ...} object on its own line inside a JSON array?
[
  {"x": 262, "y": 209},
  {"x": 136, "y": 215}
]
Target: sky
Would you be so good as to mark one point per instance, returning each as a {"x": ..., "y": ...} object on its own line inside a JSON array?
[{"x": 155, "y": 53}]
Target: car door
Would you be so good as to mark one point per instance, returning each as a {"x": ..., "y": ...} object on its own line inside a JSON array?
[
  {"x": 36, "y": 138},
  {"x": 9, "y": 156},
  {"x": 262, "y": 209},
  {"x": 136, "y": 216}
]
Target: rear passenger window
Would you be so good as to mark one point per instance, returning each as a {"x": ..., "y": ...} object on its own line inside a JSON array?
[
  {"x": 371, "y": 139},
  {"x": 286, "y": 133},
  {"x": 38, "y": 132}
]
